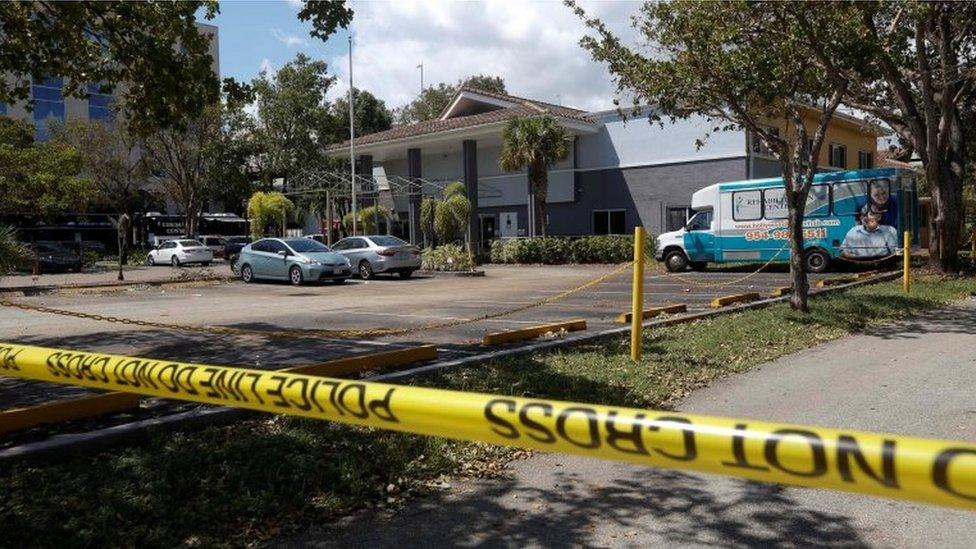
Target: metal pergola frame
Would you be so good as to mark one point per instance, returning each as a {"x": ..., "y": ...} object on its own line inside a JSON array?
[{"x": 335, "y": 184}]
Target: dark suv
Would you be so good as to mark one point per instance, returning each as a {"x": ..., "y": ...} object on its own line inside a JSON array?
[{"x": 233, "y": 246}]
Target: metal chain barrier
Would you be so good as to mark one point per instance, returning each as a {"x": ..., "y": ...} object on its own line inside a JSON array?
[{"x": 332, "y": 334}]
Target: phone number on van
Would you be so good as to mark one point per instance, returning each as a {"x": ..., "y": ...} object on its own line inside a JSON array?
[{"x": 783, "y": 234}]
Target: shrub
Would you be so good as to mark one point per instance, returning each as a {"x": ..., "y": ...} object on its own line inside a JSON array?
[
  {"x": 451, "y": 218},
  {"x": 366, "y": 220},
  {"x": 555, "y": 250},
  {"x": 13, "y": 253},
  {"x": 449, "y": 257},
  {"x": 268, "y": 208}
]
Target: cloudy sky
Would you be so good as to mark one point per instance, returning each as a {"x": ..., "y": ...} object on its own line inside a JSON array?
[{"x": 533, "y": 45}]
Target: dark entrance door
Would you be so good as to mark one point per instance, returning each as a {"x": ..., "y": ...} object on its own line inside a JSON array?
[{"x": 487, "y": 231}]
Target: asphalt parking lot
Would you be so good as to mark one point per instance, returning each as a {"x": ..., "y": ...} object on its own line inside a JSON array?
[{"x": 356, "y": 305}]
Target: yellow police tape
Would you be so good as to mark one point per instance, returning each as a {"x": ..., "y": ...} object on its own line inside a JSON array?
[{"x": 932, "y": 471}]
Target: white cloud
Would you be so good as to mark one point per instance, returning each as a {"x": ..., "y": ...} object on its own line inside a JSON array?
[
  {"x": 267, "y": 67},
  {"x": 297, "y": 4},
  {"x": 289, "y": 40},
  {"x": 534, "y": 46}
]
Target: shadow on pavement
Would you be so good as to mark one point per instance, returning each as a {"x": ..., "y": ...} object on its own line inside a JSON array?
[{"x": 643, "y": 507}]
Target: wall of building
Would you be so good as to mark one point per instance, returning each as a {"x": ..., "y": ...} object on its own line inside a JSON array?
[
  {"x": 644, "y": 193},
  {"x": 497, "y": 188},
  {"x": 637, "y": 142},
  {"x": 856, "y": 137}
]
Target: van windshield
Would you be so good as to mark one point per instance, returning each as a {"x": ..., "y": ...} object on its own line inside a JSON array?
[{"x": 701, "y": 221}]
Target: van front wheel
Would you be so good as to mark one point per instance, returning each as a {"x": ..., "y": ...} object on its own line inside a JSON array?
[
  {"x": 675, "y": 261},
  {"x": 816, "y": 261}
]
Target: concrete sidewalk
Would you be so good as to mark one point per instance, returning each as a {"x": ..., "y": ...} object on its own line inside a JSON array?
[
  {"x": 108, "y": 275},
  {"x": 917, "y": 377}
]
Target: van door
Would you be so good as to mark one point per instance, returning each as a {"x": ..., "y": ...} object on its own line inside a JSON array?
[{"x": 699, "y": 238}]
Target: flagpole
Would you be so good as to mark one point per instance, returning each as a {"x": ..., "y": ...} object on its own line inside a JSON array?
[{"x": 352, "y": 138}]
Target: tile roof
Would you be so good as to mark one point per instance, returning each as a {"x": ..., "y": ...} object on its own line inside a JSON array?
[{"x": 523, "y": 107}]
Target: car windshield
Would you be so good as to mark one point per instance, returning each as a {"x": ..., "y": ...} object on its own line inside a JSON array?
[
  {"x": 49, "y": 248},
  {"x": 238, "y": 240},
  {"x": 387, "y": 241},
  {"x": 306, "y": 245},
  {"x": 190, "y": 243}
]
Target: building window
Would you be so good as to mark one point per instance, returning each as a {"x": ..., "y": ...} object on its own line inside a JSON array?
[
  {"x": 677, "y": 217},
  {"x": 99, "y": 103},
  {"x": 838, "y": 156},
  {"x": 3, "y": 108},
  {"x": 48, "y": 105},
  {"x": 759, "y": 146},
  {"x": 609, "y": 222},
  {"x": 865, "y": 160}
]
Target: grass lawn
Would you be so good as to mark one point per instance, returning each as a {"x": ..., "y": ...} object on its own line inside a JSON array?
[{"x": 251, "y": 481}]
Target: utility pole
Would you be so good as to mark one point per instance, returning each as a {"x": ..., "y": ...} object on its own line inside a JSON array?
[
  {"x": 352, "y": 138},
  {"x": 421, "y": 67}
]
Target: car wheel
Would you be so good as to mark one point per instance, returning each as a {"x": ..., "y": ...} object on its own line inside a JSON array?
[
  {"x": 815, "y": 261},
  {"x": 338, "y": 281},
  {"x": 365, "y": 270},
  {"x": 675, "y": 261},
  {"x": 295, "y": 275},
  {"x": 247, "y": 275},
  {"x": 175, "y": 261},
  {"x": 150, "y": 261},
  {"x": 406, "y": 274}
]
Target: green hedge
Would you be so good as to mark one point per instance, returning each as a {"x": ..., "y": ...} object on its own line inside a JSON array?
[
  {"x": 449, "y": 257},
  {"x": 554, "y": 250}
]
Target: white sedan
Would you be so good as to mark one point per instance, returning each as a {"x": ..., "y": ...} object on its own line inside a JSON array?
[{"x": 180, "y": 252}]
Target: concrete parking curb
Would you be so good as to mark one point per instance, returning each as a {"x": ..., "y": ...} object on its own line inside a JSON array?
[{"x": 452, "y": 273}]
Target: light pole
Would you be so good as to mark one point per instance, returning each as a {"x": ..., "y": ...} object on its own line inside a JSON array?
[
  {"x": 421, "y": 67},
  {"x": 352, "y": 138}
]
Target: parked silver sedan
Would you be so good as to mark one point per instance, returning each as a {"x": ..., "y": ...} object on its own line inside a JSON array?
[{"x": 372, "y": 254}]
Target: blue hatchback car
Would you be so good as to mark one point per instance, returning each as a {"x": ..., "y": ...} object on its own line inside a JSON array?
[{"x": 296, "y": 260}]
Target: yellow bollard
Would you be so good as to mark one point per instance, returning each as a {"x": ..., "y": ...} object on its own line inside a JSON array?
[
  {"x": 637, "y": 302},
  {"x": 907, "y": 255}
]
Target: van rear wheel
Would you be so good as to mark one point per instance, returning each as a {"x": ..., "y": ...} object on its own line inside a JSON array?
[
  {"x": 675, "y": 261},
  {"x": 816, "y": 261}
]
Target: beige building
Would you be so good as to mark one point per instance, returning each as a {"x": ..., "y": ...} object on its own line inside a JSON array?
[{"x": 51, "y": 106}]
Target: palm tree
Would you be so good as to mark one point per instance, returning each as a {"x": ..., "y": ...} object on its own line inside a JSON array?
[{"x": 535, "y": 143}]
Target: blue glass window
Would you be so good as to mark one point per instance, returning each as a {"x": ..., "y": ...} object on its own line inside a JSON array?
[
  {"x": 48, "y": 105},
  {"x": 3, "y": 108},
  {"x": 99, "y": 103}
]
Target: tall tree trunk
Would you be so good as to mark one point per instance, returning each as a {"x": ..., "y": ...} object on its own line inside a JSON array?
[
  {"x": 947, "y": 219},
  {"x": 798, "y": 275},
  {"x": 540, "y": 186}
]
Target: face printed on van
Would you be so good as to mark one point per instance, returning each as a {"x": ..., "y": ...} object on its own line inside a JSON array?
[
  {"x": 871, "y": 219},
  {"x": 879, "y": 192}
]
